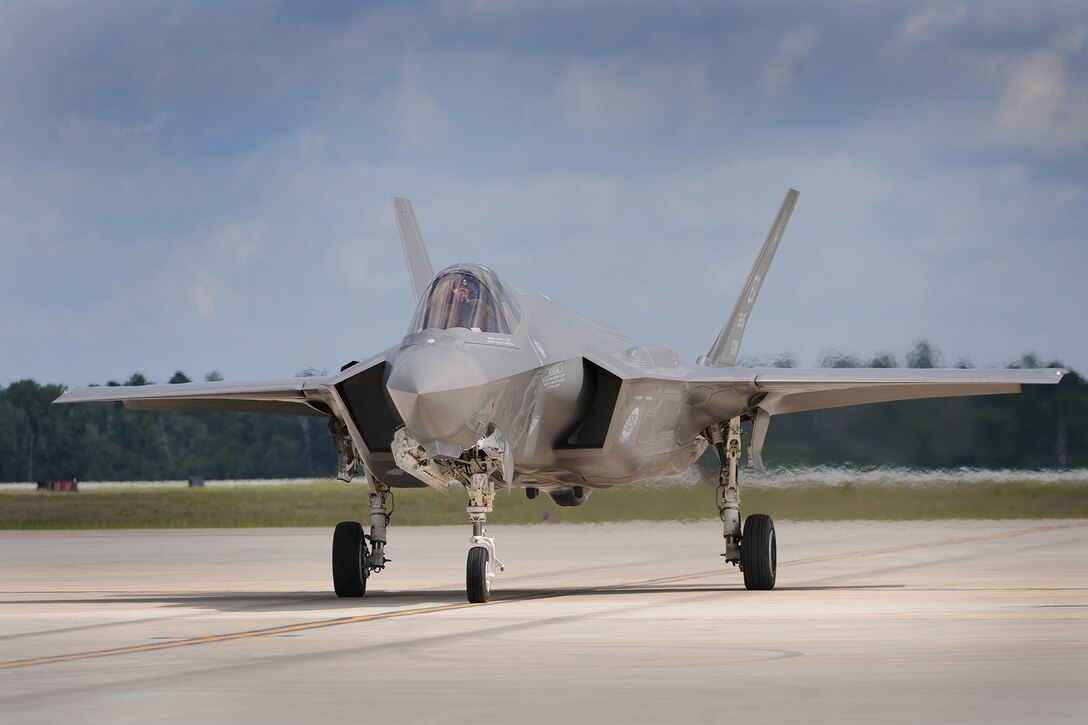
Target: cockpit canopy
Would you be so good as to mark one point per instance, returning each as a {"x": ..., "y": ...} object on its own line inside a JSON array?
[{"x": 469, "y": 296}]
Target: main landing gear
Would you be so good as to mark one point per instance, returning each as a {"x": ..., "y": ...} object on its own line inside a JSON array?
[
  {"x": 355, "y": 556},
  {"x": 754, "y": 548}
]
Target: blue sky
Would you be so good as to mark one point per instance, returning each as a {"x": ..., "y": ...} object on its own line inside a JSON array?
[{"x": 204, "y": 186}]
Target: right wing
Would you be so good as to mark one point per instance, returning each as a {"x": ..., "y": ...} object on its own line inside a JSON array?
[{"x": 295, "y": 396}]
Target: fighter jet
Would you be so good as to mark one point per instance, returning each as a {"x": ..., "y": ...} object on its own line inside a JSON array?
[{"x": 496, "y": 386}]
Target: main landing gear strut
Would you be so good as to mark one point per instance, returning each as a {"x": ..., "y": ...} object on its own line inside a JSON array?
[
  {"x": 754, "y": 549},
  {"x": 356, "y": 556}
]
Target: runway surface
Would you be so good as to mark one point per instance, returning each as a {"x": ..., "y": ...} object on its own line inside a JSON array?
[{"x": 871, "y": 622}]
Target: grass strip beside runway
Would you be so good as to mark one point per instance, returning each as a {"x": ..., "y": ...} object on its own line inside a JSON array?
[{"x": 324, "y": 504}]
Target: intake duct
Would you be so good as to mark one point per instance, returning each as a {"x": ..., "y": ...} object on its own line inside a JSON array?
[
  {"x": 371, "y": 409},
  {"x": 591, "y": 431}
]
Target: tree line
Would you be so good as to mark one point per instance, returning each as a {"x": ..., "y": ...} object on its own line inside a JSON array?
[
  {"x": 103, "y": 441},
  {"x": 1045, "y": 427}
]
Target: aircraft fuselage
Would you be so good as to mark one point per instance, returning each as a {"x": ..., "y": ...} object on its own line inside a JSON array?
[{"x": 571, "y": 397}]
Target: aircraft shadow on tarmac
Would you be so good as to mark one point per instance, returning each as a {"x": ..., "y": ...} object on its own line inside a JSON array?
[{"x": 384, "y": 600}]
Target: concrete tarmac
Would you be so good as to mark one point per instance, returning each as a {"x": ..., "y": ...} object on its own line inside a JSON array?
[{"x": 871, "y": 622}]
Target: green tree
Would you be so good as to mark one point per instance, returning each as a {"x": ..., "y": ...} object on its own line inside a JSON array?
[
  {"x": 923, "y": 355},
  {"x": 883, "y": 360}
]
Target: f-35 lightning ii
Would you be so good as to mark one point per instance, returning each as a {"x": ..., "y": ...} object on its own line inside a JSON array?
[{"x": 497, "y": 385}]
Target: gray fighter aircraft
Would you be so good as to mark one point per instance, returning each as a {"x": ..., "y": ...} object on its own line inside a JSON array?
[{"x": 494, "y": 384}]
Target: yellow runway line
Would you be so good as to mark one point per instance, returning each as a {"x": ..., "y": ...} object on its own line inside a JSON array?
[{"x": 263, "y": 632}]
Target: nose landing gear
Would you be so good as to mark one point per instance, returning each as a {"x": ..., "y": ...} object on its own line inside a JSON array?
[{"x": 480, "y": 571}]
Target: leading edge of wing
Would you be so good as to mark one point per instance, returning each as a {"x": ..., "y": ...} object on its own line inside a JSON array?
[
  {"x": 800, "y": 378},
  {"x": 296, "y": 396},
  {"x": 822, "y": 377},
  {"x": 793, "y": 390}
]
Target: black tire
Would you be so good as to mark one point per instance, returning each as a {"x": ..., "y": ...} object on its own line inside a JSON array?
[
  {"x": 759, "y": 552},
  {"x": 349, "y": 559},
  {"x": 476, "y": 575}
]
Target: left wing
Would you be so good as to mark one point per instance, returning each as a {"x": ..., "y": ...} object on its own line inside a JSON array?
[
  {"x": 771, "y": 391},
  {"x": 790, "y": 390},
  {"x": 295, "y": 396}
]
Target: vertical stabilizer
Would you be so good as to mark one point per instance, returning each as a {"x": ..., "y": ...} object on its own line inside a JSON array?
[
  {"x": 415, "y": 252},
  {"x": 725, "y": 349}
]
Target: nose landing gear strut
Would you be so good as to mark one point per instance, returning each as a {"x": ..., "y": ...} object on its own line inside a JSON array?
[{"x": 480, "y": 570}]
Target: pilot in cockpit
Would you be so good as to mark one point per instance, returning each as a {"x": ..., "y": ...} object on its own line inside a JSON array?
[
  {"x": 466, "y": 298},
  {"x": 460, "y": 298},
  {"x": 457, "y": 302}
]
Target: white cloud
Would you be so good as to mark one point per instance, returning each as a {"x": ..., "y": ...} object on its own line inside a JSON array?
[
  {"x": 419, "y": 120},
  {"x": 1070, "y": 41},
  {"x": 239, "y": 240},
  {"x": 204, "y": 296},
  {"x": 353, "y": 262},
  {"x": 1070, "y": 193},
  {"x": 624, "y": 93},
  {"x": 923, "y": 26},
  {"x": 310, "y": 144},
  {"x": 496, "y": 207},
  {"x": 1033, "y": 90},
  {"x": 142, "y": 129},
  {"x": 1040, "y": 104},
  {"x": 784, "y": 66}
]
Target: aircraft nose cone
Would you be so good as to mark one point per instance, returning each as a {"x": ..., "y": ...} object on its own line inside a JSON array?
[{"x": 436, "y": 390}]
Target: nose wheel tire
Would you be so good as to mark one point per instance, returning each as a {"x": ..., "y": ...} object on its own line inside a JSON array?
[
  {"x": 759, "y": 552},
  {"x": 349, "y": 559},
  {"x": 476, "y": 581}
]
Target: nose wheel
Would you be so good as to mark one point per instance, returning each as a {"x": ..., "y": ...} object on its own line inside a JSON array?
[{"x": 477, "y": 582}]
